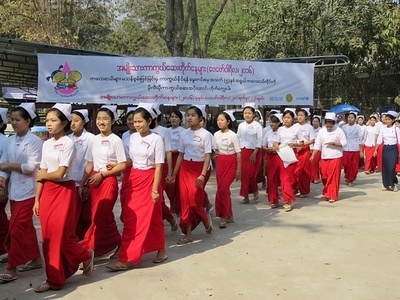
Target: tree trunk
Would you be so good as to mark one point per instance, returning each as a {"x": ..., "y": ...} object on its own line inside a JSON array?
[
  {"x": 211, "y": 26},
  {"x": 195, "y": 29}
]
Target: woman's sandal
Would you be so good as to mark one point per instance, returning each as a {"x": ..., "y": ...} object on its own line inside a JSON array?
[
  {"x": 88, "y": 266},
  {"x": 222, "y": 224},
  {"x": 287, "y": 207},
  {"x": 256, "y": 197},
  {"x": 395, "y": 188},
  {"x": 184, "y": 240},
  {"x": 210, "y": 226},
  {"x": 43, "y": 287},
  {"x": 244, "y": 201},
  {"x": 116, "y": 267}
]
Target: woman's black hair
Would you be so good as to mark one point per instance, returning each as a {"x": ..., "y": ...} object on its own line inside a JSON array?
[
  {"x": 80, "y": 115},
  {"x": 198, "y": 112},
  {"x": 108, "y": 111},
  {"x": 253, "y": 110},
  {"x": 227, "y": 117},
  {"x": 146, "y": 115},
  {"x": 391, "y": 118},
  {"x": 288, "y": 112},
  {"x": 304, "y": 111},
  {"x": 333, "y": 122},
  {"x": 179, "y": 115},
  {"x": 275, "y": 119},
  {"x": 2, "y": 128},
  {"x": 372, "y": 117},
  {"x": 62, "y": 118},
  {"x": 25, "y": 115},
  {"x": 131, "y": 112},
  {"x": 352, "y": 113},
  {"x": 315, "y": 117}
]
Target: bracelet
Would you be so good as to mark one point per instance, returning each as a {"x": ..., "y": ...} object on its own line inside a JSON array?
[
  {"x": 203, "y": 175},
  {"x": 154, "y": 191}
]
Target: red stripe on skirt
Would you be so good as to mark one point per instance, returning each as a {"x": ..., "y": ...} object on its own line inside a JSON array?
[
  {"x": 61, "y": 250},
  {"x": 21, "y": 242},
  {"x": 102, "y": 235},
  {"x": 192, "y": 197},
  {"x": 225, "y": 171},
  {"x": 143, "y": 224},
  {"x": 330, "y": 176}
]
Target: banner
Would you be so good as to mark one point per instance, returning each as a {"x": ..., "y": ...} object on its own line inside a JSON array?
[{"x": 172, "y": 80}]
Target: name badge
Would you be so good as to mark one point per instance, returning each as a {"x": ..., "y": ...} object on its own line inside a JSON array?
[
  {"x": 196, "y": 138},
  {"x": 225, "y": 141},
  {"x": 105, "y": 143},
  {"x": 58, "y": 147}
]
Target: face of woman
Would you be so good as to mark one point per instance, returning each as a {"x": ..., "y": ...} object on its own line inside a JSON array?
[
  {"x": 53, "y": 123},
  {"x": 248, "y": 115},
  {"x": 19, "y": 124},
  {"x": 287, "y": 120},
  {"x": 301, "y": 117},
  {"x": 351, "y": 119},
  {"x": 315, "y": 123},
  {"x": 372, "y": 121},
  {"x": 174, "y": 119},
  {"x": 130, "y": 122},
  {"x": 77, "y": 123},
  {"x": 274, "y": 126},
  {"x": 222, "y": 122},
  {"x": 192, "y": 118},
  {"x": 141, "y": 124},
  {"x": 360, "y": 121},
  {"x": 104, "y": 122}
]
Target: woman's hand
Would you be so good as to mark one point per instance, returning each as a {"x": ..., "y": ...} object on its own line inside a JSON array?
[
  {"x": 199, "y": 181},
  {"x": 36, "y": 208},
  {"x": 95, "y": 179},
  {"x": 252, "y": 157},
  {"x": 40, "y": 176},
  {"x": 84, "y": 192},
  {"x": 155, "y": 195}
]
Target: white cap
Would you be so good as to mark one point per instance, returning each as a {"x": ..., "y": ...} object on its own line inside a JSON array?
[
  {"x": 293, "y": 110},
  {"x": 274, "y": 111},
  {"x": 3, "y": 114},
  {"x": 317, "y": 116},
  {"x": 392, "y": 113},
  {"x": 84, "y": 113},
  {"x": 230, "y": 114},
  {"x": 307, "y": 109},
  {"x": 330, "y": 116},
  {"x": 65, "y": 109},
  {"x": 30, "y": 109},
  {"x": 203, "y": 110},
  {"x": 361, "y": 116},
  {"x": 130, "y": 108},
  {"x": 353, "y": 112},
  {"x": 156, "y": 107},
  {"x": 279, "y": 116},
  {"x": 249, "y": 104},
  {"x": 149, "y": 108},
  {"x": 113, "y": 109}
]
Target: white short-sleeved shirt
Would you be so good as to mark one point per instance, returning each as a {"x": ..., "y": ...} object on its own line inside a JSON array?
[
  {"x": 81, "y": 144},
  {"x": 289, "y": 135},
  {"x": 324, "y": 137},
  {"x": 306, "y": 130},
  {"x": 59, "y": 153},
  {"x": 195, "y": 144},
  {"x": 226, "y": 142},
  {"x": 370, "y": 136},
  {"x": 175, "y": 134},
  {"x": 266, "y": 129},
  {"x": 315, "y": 135},
  {"x": 270, "y": 138},
  {"x": 363, "y": 129},
  {"x": 250, "y": 135},
  {"x": 3, "y": 144},
  {"x": 354, "y": 137},
  {"x": 126, "y": 139},
  {"x": 105, "y": 149},
  {"x": 389, "y": 135},
  {"x": 164, "y": 133},
  {"x": 147, "y": 151}
]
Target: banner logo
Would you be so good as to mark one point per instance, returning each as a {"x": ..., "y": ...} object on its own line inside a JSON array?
[{"x": 65, "y": 80}]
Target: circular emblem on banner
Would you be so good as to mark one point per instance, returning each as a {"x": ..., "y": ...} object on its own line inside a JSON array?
[{"x": 289, "y": 98}]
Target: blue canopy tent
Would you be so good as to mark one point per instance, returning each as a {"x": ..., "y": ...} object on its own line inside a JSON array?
[{"x": 342, "y": 109}]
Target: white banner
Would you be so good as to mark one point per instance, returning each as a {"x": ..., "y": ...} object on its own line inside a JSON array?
[{"x": 172, "y": 80}]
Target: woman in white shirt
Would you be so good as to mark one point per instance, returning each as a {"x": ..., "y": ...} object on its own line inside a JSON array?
[
  {"x": 193, "y": 164},
  {"x": 55, "y": 204},
  {"x": 315, "y": 174},
  {"x": 143, "y": 224},
  {"x": 389, "y": 136},
  {"x": 303, "y": 168},
  {"x": 288, "y": 135},
  {"x": 330, "y": 142},
  {"x": 228, "y": 161},
  {"x": 105, "y": 159},
  {"x": 19, "y": 164},
  {"x": 172, "y": 188},
  {"x": 4, "y": 223},
  {"x": 369, "y": 146},
  {"x": 81, "y": 139},
  {"x": 353, "y": 149},
  {"x": 250, "y": 138}
]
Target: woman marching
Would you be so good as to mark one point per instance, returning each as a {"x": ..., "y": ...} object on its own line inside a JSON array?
[
  {"x": 315, "y": 173},
  {"x": 193, "y": 162},
  {"x": 288, "y": 135},
  {"x": 353, "y": 150},
  {"x": 330, "y": 142},
  {"x": 303, "y": 169},
  {"x": 143, "y": 224},
  {"x": 4, "y": 222},
  {"x": 172, "y": 188},
  {"x": 272, "y": 159},
  {"x": 228, "y": 166},
  {"x": 105, "y": 159},
  {"x": 389, "y": 136},
  {"x": 250, "y": 138},
  {"x": 81, "y": 139},
  {"x": 55, "y": 204},
  {"x": 19, "y": 164},
  {"x": 369, "y": 146}
]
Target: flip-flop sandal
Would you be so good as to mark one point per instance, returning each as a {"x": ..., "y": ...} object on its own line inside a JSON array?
[
  {"x": 4, "y": 278},
  {"x": 115, "y": 267},
  {"x": 88, "y": 270},
  {"x": 244, "y": 201},
  {"x": 184, "y": 240},
  {"x": 28, "y": 267},
  {"x": 43, "y": 287},
  {"x": 159, "y": 260},
  {"x": 257, "y": 198}
]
